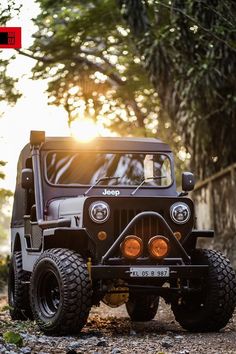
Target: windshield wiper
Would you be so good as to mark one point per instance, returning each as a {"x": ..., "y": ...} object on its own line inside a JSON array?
[
  {"x": 144, "y": 181},
  {"x": 98, "y": 181}
]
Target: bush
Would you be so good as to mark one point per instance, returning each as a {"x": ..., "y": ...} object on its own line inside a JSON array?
[{"x": 4, "y": 262}]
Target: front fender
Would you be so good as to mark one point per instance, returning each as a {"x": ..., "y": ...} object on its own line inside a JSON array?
[{"x": 71, "y": 238}]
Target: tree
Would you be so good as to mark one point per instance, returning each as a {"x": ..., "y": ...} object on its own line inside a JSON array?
[
  {"x": 188, "y": 48},
  {"x": 8, "y": 91},
  {"x": 85, "y": 52},
  {"x": 80, "y": 49}
]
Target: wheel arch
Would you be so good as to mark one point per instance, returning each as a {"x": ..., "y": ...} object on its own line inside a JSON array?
[{"x": 77, "y": 240}]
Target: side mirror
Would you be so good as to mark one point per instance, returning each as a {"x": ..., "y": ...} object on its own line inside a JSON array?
[
  {"x": 188, "y": 181},
  {"x": 27, "y": 179}
]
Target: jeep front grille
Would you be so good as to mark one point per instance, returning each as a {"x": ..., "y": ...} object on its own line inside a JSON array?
[{"x": 145, "y": 228}]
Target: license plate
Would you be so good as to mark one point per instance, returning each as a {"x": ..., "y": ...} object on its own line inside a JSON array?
[{"x": 159, "y": 272}]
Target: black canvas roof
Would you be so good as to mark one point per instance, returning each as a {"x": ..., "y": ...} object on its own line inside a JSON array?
[{"x": 117, "y": 143}]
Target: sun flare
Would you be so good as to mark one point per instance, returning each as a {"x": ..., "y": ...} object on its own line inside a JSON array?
[{"x": 84, "y": 130}]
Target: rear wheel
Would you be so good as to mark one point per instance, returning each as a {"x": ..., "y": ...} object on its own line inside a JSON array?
[
  {"x": 60, "y": 292},
  {"x": 211, "y": 309},
  {"x": 142, "y": 308},
  {"x": 18, "y": 290}
]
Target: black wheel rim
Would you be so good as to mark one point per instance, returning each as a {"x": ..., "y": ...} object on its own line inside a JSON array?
[{"x": 48, "y": 293}]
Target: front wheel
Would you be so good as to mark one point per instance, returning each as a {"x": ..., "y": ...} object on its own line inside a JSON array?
[
  {"x": 142, "y": 308},
  {"x": 60, "y": 292},
  {"x": 212, "y": 308}
]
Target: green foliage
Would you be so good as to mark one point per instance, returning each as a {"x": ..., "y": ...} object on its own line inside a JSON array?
[
  {"x": 8, "y": 91},
  {"x": 94, "y": 68},
  {"x": 189, "y": 49},
  {"x": 4, "y": 205},
  {"x": 13, "y": 338},
  {"x": 3, "y": 271},
  {"x": 8, "y": 10},
  {"x": 81, "y": 49}
]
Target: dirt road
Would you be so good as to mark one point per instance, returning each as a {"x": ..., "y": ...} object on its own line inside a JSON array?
[{"x": 110, "y": 331}]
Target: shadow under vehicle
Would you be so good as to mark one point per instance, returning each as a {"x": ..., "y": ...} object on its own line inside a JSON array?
[{"x": 103, "y": 221}]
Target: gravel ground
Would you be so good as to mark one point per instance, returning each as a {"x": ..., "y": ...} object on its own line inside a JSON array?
[{"x": 110, "y": 331}]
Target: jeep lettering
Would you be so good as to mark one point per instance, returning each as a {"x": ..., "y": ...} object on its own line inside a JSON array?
[{"x": 111, "y": 192}]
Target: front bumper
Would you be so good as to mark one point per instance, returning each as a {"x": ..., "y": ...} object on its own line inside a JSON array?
[
  {"x": 102, "y": 272},
  {"x": 145, "y": 271}
]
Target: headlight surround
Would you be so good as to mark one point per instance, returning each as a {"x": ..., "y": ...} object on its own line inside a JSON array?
[
  {"x": 180, "y": 213},
  {"x": 99, "y": 212}
]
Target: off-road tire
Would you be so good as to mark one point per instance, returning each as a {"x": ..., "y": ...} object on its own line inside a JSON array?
[
  {"x": 18, "y": 290},
  {"x": 213, "y": 307},
  {"x": 60, "y": 292},
  {"x": 142, "y": 308}
]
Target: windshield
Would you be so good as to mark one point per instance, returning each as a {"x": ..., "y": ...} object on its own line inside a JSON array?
[{"x": 85, "y": 168}]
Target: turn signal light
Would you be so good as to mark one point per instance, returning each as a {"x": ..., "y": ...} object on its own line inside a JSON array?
[
  {"x": 102, "y": 235},
  {"x": 158, "y": 246},
  {"x": 132, "y": 247},
  {"x": 177, "y": 235}
]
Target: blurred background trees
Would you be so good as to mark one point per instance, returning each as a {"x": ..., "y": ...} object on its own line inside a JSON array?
[
  {"x": 147, "y": 68},
  {"x": 189, "y": 51},
  {"x": 8, "y": 96},
  {"x": 85, "y": 51},
  {"x": 8, "y": 91},
  {"x": 4, "y": 209}
]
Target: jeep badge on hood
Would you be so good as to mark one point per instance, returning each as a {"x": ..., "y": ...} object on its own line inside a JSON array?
[{"x": 113, "y": 192}]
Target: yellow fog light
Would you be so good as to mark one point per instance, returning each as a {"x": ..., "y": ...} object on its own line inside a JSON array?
[
  {"x": 132, "y": 247},
  {"x": 158, "y": 246}
]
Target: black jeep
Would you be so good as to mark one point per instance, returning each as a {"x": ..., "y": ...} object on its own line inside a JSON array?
[{"x": 103, "y": 221}]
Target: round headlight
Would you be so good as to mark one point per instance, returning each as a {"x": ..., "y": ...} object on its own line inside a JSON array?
[
  {"x": 180, "y": 213},
  {"x": 99, "y": 212}
]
